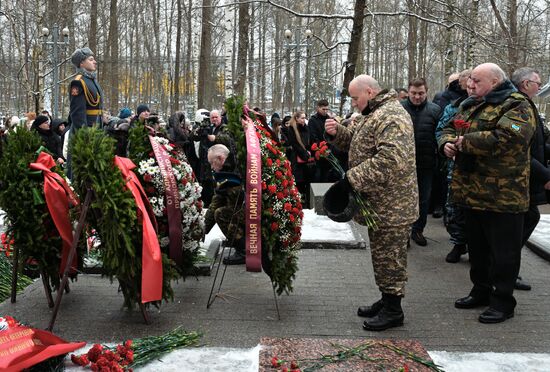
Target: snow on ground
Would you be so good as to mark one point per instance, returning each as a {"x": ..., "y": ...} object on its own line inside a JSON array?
[{"x": 214, "y": 359}]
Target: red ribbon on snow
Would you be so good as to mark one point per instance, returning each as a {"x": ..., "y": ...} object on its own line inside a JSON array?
[
  {"x": 172, "y": 196},
  {"x": 23, "y": 347},
  {"x": 151, "y": 258},
  {"x": 253, "y": 211},
  {"x": 58, "y": 195}
]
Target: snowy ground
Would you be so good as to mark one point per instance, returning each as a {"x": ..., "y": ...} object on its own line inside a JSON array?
[{"x": 207, "y": 359}]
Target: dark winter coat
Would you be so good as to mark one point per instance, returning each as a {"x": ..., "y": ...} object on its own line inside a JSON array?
[
  {"x": 51, "y": 141},
  {"x": 452, "y": 93},
  {"x": 540, "y": 154},
  {"x": 302, "y": 172},
  {"x": 425, "y": 118}
]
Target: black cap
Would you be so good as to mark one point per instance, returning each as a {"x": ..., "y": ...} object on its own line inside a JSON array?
[
  {"x": 141, "y": 108},
  {"x": 339, "y": 204}
]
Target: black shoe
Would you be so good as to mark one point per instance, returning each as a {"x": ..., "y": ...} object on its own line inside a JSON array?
[
  {"x": 438, "y": 213},
  {"x": 494, "y": 316},
  {"x": 457, "y": 251},
  {"x": 370, "y": 311},
  {"x": 419, "y": 238},
  {"x": 522, "y": 285},
  {"x": 391, "y": 315},
  {"x": 237, "y": 258},
  {"x": 470, "y": 302}
]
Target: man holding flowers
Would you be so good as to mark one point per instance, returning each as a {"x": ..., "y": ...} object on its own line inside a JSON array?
[
  {"x": 382, "y": 168},
  {"x": 489, "y": 138}
]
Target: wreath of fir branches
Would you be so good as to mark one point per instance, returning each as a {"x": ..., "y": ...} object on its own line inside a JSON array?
[
  {"x": 27, "y": 217},
  {"x": 113, "y": 214},
  {"x": 281, "y": 226}
]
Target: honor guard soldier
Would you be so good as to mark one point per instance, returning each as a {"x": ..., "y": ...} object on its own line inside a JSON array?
[{"x": 86, "y": 96}]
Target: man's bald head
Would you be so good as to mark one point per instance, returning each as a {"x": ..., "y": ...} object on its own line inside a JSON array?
[
  {"x": 484, "y": 79},
  {"x": 361, "y": 90}
]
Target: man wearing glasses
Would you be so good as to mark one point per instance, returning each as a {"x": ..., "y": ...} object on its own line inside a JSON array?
[{"x": 527, "y": 81}]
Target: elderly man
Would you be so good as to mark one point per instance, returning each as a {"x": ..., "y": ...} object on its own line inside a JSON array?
[
  {"x": 490, "y": 137},
  {"x": 86, "y": 96},
  {"x": 382, "y": 168},
  {"x": 527, "y": 81}
]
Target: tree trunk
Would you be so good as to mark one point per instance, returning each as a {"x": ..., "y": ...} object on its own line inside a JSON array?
[
  {"x": 176, "y": 84},
  {"x": 92, "y": 34},
  {"x": 412, "y": 41},
  {"x": 244, "y": 27},
  {"x": 112, "y": 53},
  {"x": 353, "y": 51},
  {"x": 205, "y": 76}
]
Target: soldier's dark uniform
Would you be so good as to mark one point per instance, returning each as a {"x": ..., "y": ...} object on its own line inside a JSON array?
[
  {"x": 86, "y": 99},
  {"x": 491, "y": 181}
]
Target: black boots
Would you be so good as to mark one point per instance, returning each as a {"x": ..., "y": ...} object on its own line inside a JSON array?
[
  {"x": 370, "y": 311},
  {"x": 457, "y": 251},
  {"x": 390, "y": 315},
  {"x": 238, "y": 257}
]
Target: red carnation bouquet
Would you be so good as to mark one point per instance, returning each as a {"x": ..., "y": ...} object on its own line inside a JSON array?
[
  {"x": 461, "y": 126},
  {"x": 134, "y": 353},
  {"x": 321, "y": 150}
]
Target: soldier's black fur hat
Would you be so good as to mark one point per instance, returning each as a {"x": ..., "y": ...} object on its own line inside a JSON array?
[{"x": 339, "y": 204}]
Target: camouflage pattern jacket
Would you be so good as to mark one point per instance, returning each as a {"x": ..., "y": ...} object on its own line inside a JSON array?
[
  {"x": 382, "y": 159},
  {"x": 492, "y": 171}
]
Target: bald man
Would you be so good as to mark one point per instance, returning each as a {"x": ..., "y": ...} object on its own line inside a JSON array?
[
  {"x": 382, "y": 169},
  {"x": 491, "y": 182}
]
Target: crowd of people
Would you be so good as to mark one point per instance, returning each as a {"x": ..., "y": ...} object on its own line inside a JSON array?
[{"x": 476, "y": 155}]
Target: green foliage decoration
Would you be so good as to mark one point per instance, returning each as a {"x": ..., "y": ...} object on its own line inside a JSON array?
[
  {"x": 113, "y": 213},
  {"x": 22, "y": 199},
  {"x": 281, "y": 207}
]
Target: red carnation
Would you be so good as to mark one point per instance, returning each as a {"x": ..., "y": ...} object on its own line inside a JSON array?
[
  {"x": 274, "y": 362},
  {"x": 147, "y": 178},
  {"x": 264, "y": 185},
  {"x": 81, "y": 360},
  {"x": 291, "y": 218},
  {"x": 285, "y": 183},
  {"x": 272, "y": 189},
  {"x": 317, "y": 155},
  {"x": 287, "y": 207},
  {"x": 280, "y": 195},
  {"x": 279, "y": 174},
  {"x": 274, "y": 226},
  {"x": 314, "y": 147},
  {"x": 269, "y": 162},
  {"x": 94, "y": 353},
  {"x": 294, "y": 365},
  {"x": 278, "y": 162}
]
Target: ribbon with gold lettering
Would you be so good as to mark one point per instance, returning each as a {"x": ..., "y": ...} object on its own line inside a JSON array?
[
  {"x": 58, "y": 196},
  {"x": 172, "y": 201},
  {"x": 22, "y": 347},
  {"x": 253, "y": 203},
  {"x": 151, "y": 258}
]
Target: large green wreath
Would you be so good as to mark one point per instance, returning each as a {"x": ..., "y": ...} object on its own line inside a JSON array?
[
  {"x": 22, "y": 198},
  {"x": 113, "y": 214},
  {"x": 281, "y": 207}
]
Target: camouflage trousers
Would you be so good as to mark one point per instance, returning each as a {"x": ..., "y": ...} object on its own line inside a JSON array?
[
  {"x": 388, "y": 247},
  {"x": 231, "y": 223}
]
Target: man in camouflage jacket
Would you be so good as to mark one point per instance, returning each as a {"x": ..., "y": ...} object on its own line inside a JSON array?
[
  {"x": 491, "y": 181},
  {"x": 382, "y": 168}
]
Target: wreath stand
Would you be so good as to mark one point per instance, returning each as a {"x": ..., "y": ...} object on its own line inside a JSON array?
[
  {"x": 219, "y": 262},
  {"x": 65, "y": 279},
  {"x": 72, "y": 252}
]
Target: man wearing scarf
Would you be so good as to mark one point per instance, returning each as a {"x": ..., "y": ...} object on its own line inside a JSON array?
[{"x": 86, "y": 96}]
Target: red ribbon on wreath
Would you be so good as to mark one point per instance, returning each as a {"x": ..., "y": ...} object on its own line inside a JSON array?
[
  {"x": 58, "y": 196},
  {"x": 151, "y": 258}
]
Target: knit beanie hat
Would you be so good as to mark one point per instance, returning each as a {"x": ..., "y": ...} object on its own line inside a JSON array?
[
  {"x": 39, "y": 120},
  {"x": 80, "y": 55},
  {"x": 141, "y": 108},
  {"x": 125, "y": 113}
]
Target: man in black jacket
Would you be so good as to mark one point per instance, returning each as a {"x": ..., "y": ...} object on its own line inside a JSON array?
[
  {"x": 527, "y": 81},
  {"x": 425, "y": 116}
]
